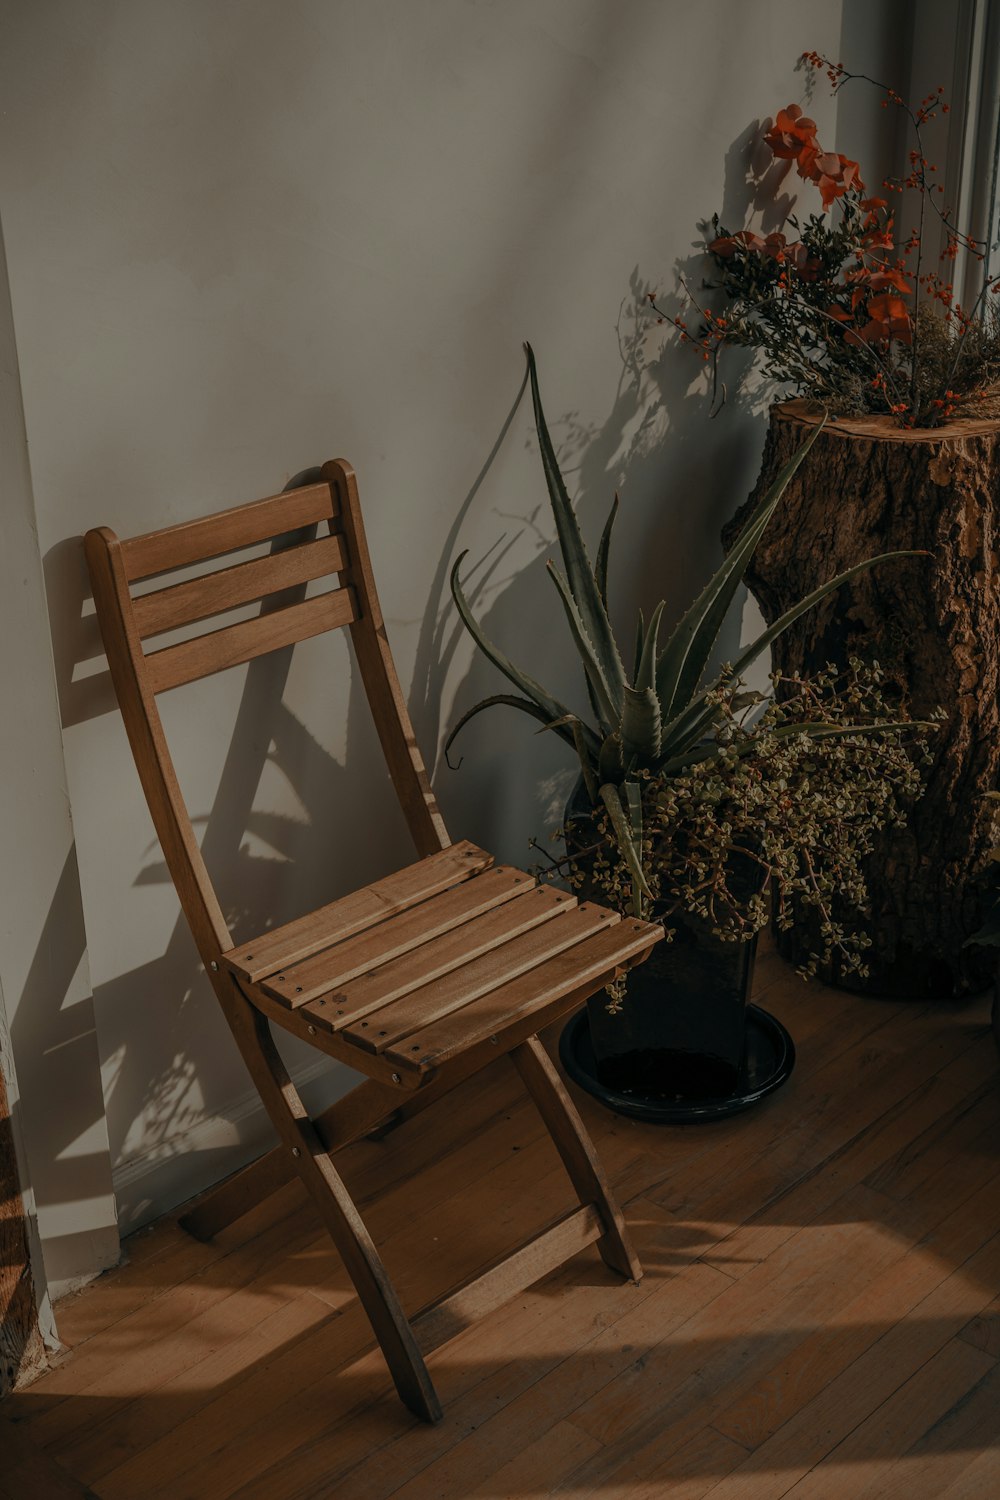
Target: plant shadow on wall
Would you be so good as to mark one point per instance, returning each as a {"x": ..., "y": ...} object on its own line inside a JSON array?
[
  {"x": 679, "y": 476},
  {"x": 169, "y": 1059}
]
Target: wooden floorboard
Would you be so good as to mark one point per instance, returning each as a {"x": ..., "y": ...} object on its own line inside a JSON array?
[{"x": 820, "y": 1314}]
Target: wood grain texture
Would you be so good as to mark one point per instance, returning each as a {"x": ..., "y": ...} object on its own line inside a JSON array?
[
  {"x": 378, "y": 673},
  {"x": 511, "y": 1274},
  {"x": 785, "y": 1291},
  {"x": 228, "y": 588},
  {"x": 349, "y": 915},
  {"x": 26, "y": 1473},
  {"x": 932, "y": 623},
  {"x": 435, "y": 959},
  {"x": 226, "y": 531},
  {"x": 398, "y": 937},
  {"x": 173, "y": 666}
]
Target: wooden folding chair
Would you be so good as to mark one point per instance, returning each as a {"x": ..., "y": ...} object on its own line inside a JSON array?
[{"x": 418, "y": 980}]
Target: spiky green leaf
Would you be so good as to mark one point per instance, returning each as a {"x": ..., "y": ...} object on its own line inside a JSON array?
[
  {"x": 631, "y": 853},
  {"x": 690, "y": 725},
  {"x": 603, "y": 550},
  {"x": 509, "y": 700},
  {"x": 610, "y": 760},
  {"x": 582, "y": 583},
  {"x": 645, "y": 672},
  {"x": 687, "y": 653},
  {"x": 606, "y": 708},
  {"x": 549, "y": 706},
  {"x": 641, "y": 726}
]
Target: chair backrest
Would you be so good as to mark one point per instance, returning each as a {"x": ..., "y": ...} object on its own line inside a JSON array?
[{"x": 298, "y": 556}]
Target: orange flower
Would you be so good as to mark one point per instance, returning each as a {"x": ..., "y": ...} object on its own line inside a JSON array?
[
  {"x": 791, "y": 133},
  {"x": 891, "y": 277},
  {"x": 832, "y": 173},
  {"x": 888, "y": 318},
  {"x": 727, "y": 245}
]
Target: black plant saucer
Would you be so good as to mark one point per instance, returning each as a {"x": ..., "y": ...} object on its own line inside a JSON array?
[{"x": 768, "y": 1060}]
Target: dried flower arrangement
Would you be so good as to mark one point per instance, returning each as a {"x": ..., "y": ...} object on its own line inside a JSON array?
[
  {"x": 796, "y": 790},
  {"x": 842, "y": 314}
]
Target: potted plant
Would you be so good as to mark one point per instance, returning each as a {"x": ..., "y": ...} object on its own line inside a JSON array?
[
  {"x": 846, "y": 310},
  {"x": 685, "y": 810}
]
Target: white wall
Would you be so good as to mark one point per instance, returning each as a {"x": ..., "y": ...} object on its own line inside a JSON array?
[{"x": 247, "y": 236}]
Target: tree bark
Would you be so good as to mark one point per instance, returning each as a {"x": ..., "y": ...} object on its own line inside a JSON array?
[{"x": 932, "y": 623}]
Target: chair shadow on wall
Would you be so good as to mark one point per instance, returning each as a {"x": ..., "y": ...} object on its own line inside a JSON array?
[{"x": 344, "y": 803}]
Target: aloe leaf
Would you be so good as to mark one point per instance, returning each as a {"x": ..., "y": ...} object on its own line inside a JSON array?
[
  {"x": 692, "y": 721},
  {"x": 641, "y": 725},
  {"x": 508, "y": 700},
  {"x": 582, "y": 583},
  {"x": 603, "y": 550},
  {"x": 550, "y": 707},
  {"x": 645, "y": 672},
  {"x": 687, "y": 653},
  {"x": 588, "y": 654},
  {"x": 586, "y": 762},
  {"x": 610, "y": 760},
  {"x": 622, "y": 828},
  {"x": 640, "y": 637}
]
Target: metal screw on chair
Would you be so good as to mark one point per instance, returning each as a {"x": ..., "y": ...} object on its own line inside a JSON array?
[
  {"x": 296, "y": 1151},
  {"x": 213, "y": 965},
  {"x": 312, "y": 1031},
  {"x": 494, "y": 1041},
  {"x": 395, "y": 1078}
]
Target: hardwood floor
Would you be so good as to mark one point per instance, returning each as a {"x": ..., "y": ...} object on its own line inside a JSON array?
[{"x": 819, "y": 1316}]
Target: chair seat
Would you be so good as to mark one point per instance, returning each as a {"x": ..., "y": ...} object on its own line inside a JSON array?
[{"x": 404, "y": 975}]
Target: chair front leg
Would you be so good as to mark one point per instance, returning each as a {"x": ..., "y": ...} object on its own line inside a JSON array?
[{"x": 301, "y": 1139}]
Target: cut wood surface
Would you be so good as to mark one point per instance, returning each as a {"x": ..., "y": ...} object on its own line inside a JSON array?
[{"x": 817, "y": 1316}]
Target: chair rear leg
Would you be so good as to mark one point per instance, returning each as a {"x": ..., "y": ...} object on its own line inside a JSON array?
[
  {"x": 572, "y": 1141},
  {"x": 336, "y": 1207}
]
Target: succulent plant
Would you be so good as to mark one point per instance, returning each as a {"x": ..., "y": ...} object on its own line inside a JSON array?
[{"x": 661, "y": 720}]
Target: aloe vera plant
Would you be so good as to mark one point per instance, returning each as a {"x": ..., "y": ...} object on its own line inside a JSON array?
[{"x": 662, "y": 720}]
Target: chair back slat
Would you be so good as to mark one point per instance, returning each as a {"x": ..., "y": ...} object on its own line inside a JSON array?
[
  {"x": 280, "y": 581},
  {"x": 214, "y": 652},
  {"x": 227, "y": 531},
  {"x": 215, "y": 593}
]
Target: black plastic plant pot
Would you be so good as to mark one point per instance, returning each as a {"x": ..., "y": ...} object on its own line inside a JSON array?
[{"x": 685, "y": 1045}]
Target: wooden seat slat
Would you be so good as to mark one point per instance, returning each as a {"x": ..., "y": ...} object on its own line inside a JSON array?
[
  {"x": 228, "y": 588},
  {"x": 397, "y": 936},
  {"x": 594, "y": 960},
  {"x": 219, "y": 649},
  {"x": 341, "y": 919},
  {"x": 226, "y": 531},
  {"x": 400, "y": 1025},
  {"x": 332, "y": 1012}
]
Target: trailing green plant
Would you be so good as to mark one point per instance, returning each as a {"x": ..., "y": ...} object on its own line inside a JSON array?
[
  {"x": 795, "y": 793},
  {"x": 663, "y": 717}
]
